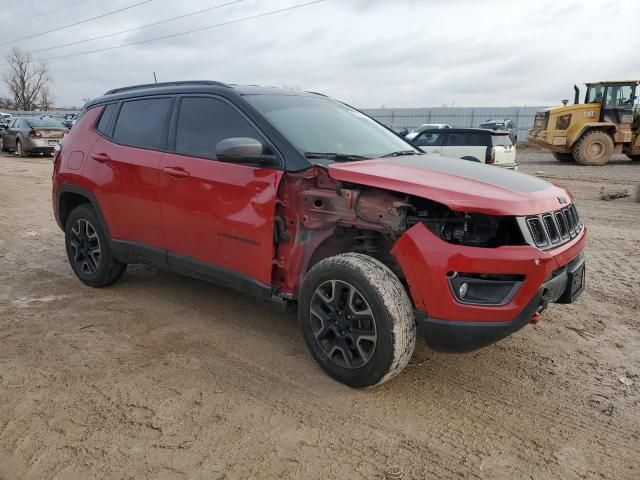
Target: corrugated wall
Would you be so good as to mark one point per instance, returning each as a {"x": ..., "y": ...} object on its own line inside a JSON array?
[{"x": 410, "y": 118}]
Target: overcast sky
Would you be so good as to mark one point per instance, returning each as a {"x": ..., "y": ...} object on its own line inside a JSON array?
[{"x": 405, "y": 53}]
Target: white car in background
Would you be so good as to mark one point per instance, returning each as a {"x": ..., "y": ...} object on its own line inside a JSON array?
[
  {"x": 426, "y": 126},
  {"x": 474, "y": 144}
]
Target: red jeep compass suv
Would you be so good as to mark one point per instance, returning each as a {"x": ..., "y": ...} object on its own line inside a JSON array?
[{"x": 298, "y": 198}]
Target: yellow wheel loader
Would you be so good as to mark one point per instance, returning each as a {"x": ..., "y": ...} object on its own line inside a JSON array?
[{"x": 589, "y": 133}]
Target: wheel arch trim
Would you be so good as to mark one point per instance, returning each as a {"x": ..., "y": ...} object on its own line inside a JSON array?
[{"x": 77, "y": 190}]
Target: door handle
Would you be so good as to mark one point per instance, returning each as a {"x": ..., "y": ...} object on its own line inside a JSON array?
[
  {"x": 100, "y": 157},
  {"x": 176, "y": 172}
]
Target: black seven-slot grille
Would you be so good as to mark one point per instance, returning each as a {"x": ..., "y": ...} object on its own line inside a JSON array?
[{"x": 554, "y": 228}]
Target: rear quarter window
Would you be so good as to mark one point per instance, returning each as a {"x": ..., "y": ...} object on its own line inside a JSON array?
[
  {"x": 142, "y": 123},
  {"x": 105, "y": 118}
]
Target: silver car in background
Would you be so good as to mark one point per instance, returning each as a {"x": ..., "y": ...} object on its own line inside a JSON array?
[{"x": 28, "y": 136}]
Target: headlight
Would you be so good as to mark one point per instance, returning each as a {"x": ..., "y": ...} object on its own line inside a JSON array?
[
  {"x": 562, "y": 123},
  {"x": 476, "y": 230}
]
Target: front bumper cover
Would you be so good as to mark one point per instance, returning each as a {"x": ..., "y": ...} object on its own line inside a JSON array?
[{"x": 465, "y": 336}]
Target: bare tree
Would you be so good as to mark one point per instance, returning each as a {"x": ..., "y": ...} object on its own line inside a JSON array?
[
  {"x": 46, "y": 98},
  {"x": 7, "y": 103},
  {"x": 25, "y": 78}
]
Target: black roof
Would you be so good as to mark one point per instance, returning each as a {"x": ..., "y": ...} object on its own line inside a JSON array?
[
  {"x": 466, "y": 130},
  {"x": 192, "y": 86}
]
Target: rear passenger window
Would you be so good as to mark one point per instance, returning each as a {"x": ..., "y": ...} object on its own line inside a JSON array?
[
  {"x": 427, "y": 139},
  {"x": 456, "y": 140},
  {"x": 105, "y": 118},
  {"x": 468, "y": 139},
  {"x": 141, "y": 123},
  {"x": 203, "y": 122}
]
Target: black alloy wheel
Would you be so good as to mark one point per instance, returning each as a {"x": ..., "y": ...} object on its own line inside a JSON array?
[
  {"x": 343, "y": 324},
  {"x": 85, "y": 246}
]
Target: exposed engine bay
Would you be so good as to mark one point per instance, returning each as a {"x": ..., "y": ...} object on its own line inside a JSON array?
[{"x": 318, "y": 217}]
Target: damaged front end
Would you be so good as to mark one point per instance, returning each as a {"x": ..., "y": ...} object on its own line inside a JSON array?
[{"x": 318, "y": 217}]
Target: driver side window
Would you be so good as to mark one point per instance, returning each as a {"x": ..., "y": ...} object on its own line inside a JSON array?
[{"x": 204, "y": 121}]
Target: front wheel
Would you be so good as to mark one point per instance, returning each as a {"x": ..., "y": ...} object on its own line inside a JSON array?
[
  {"x": 88, "y": 249},
  {"x": 594, "y": 148},
  {"x": 357, "y": 319}
]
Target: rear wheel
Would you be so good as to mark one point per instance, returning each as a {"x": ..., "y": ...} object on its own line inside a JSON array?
[
  {"x": 3, "y": 148},
  {"x": 563, "y": 157},
  {"x": 88, "y": 249},
  {"x": 19, "y": 150},
  {"x": 357, "y": 319},
  {"x": 594, "y": 148}
]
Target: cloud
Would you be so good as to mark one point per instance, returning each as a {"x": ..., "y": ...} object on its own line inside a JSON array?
[{"x": 366, "y": 52}]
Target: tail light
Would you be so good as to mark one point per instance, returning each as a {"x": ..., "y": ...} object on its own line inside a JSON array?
[
  {"x": 491, "y": 156},
  {"x": 35, "y": 133}
]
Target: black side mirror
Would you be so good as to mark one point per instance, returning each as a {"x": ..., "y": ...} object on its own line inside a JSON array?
[{"x": 244, "y": 150}]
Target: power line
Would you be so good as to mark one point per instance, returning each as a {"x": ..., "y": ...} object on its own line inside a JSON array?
[
  {"x": 76, "y": 23},
  {"x": 54, "y": 10},
  {"x": 273, "y": 12},
  {"x": 138, "y": 28}
]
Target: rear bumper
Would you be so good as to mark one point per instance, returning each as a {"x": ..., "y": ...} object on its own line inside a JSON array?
[
  {"x": 465, "y": 336},
  {"x": 43, "y": 150},
  {"x": 38, "y": 145}
]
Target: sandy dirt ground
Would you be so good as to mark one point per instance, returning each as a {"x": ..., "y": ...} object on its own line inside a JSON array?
[{"x": 164, "y": 377}]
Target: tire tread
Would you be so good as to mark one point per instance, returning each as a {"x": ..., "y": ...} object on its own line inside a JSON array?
[{"x": 393, "y": 296}]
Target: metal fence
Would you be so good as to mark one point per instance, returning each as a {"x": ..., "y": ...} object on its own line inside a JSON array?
[{"x": 461, "y": 117}]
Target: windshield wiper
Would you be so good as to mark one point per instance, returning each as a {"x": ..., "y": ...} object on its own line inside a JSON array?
[
  {"x": 338, "y": 157},
  {"x": 401, "y": 153}
]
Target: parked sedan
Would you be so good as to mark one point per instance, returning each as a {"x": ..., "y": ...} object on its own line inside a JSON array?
[
  {"x": 32, "y": 135},
  {"x": 474, "y": 144}
]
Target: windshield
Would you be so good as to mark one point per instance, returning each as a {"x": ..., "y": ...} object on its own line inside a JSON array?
[
  {"x": 45, "y": 123},
  {"x": 322, "y": 125}
]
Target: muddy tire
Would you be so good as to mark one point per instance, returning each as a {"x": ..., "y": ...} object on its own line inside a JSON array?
[
  {"x": 634, "y": 157},
  {"x": 88, "y": 249},
  {"x": 594, "y": 148},
  {"x": 563, "y": 157},
  {"x": 3, "y": 148},
  {"x": 357, "y": 319}
]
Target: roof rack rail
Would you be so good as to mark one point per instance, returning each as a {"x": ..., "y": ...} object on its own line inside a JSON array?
[
  {"x": 165, "y": 84},
  {"x": 317, "y": 93}
]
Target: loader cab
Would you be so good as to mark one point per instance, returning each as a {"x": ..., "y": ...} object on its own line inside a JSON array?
[{"x": 617, "y": 100}]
